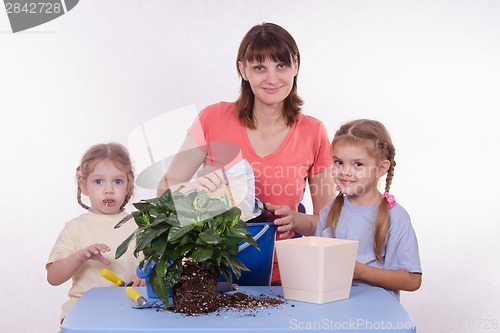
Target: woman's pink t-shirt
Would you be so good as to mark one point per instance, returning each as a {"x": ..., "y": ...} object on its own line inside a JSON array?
[{"x": 280, "y": 177}]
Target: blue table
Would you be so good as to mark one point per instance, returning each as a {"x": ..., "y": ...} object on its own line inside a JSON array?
[{"x": 368, "y": 309}]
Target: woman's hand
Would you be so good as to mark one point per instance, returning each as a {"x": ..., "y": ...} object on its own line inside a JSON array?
[
  {"x": 285, "y": 220},
  {"x": 208, "y": 181}
]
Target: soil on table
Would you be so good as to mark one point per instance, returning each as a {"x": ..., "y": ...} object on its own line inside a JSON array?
[
  {"x": 196, "y": 294},
  {"x": 242, "y": 302}
]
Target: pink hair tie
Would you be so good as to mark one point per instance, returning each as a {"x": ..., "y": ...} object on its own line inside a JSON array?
[{"x": 391, "y": 201}]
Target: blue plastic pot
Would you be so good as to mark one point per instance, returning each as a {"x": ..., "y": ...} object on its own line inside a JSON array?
[
  {"x": 145, "y": 275},
  {"x": 260, "y": 262}
]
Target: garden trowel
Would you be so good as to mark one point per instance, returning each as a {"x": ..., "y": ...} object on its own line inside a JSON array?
[
  {"x": 140, "y": 300},
  {"x": 108, "y": 275}
]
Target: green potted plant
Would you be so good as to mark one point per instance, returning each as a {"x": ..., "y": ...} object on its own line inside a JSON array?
[{"x": 190, "y": 240}]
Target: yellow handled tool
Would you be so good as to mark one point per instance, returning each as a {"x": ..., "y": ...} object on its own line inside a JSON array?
[
  {"x": 140, "y": 300},
  {"x": 108, "y": 275}
]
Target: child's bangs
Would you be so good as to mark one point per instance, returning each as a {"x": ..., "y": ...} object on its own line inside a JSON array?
[{"x": 350, "y": 140}]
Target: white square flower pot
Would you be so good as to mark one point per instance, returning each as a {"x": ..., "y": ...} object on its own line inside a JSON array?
[{"x": 316, "y": 269}]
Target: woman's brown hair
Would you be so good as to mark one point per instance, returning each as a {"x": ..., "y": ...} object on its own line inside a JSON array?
[
  {"x": 267, "y": 41},
  {"x": 374, "y": 137}
]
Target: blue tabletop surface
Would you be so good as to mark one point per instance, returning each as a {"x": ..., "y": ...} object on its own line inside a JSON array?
[{"x": 368, "y": 309}]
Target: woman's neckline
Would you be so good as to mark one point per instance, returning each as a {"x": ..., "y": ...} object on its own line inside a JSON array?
[{"x": 278, "y": 149}]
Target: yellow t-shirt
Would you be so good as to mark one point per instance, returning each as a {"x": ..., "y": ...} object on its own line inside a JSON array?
[{"x": 88, "y": 229}]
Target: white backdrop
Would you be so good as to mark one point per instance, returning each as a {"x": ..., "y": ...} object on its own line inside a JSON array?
[{"x": 428, "y": 69}]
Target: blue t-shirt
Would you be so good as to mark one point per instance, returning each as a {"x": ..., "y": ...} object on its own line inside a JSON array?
[{"x": 358, "y": 223}]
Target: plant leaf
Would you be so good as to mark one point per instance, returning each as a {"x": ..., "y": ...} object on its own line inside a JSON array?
[
  {"x": 226, "y": 274},
  {"x": 233, "y": 216},
  {"x": 177, "y": 232},
  {"x": 166, "y": 200},
  {"x": 122, "y": 248},
  {"x": 231, "y": 241},
  {"x": 210, "y": 236},
  {"x": 123, "y": 220},
  {"x": 185, "y": 249},
  {"x": 184, "y": 204},
  {"x": 172, "y": 220},
  {"x": 202, "y": 253},
  {"x": 161, "y": 268},
  {"x": 201, "y": 200},
  {"x": 141, "y": 219},
  {"x": 173, "y": 275},
  {"x": 160, "y": 219},
  {"x": 172, "y": 253},
  {"x": 145, "y": 204},
  {"x": 237, "y": 266},
  {"x": 159, "y": 244},
  {"x": 159, "y": 287},
  {"x": 148, "y": 236},
  {"x": 216, "y": 207}
]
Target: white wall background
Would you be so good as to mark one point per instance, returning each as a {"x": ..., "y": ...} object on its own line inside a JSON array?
[{"x": 428, "y": 69}]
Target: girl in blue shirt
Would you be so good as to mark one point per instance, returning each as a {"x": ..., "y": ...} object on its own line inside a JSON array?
[{"x": 388, "y": 251}]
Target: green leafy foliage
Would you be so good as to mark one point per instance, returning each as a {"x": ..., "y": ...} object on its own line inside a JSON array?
[{"x": 175, "y": 230}]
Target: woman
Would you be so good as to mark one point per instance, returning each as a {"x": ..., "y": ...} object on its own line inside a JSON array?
[{"x": 285, "y": 148}]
